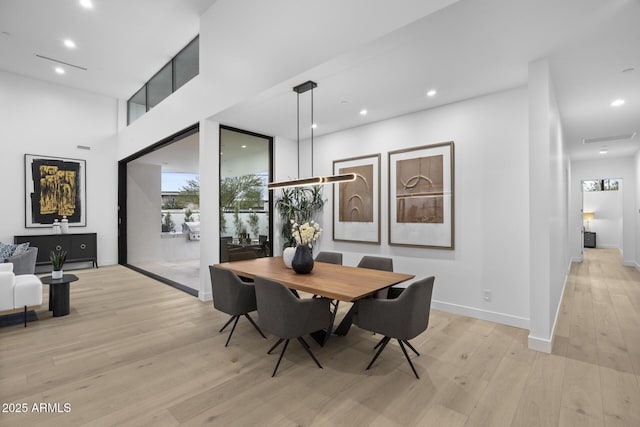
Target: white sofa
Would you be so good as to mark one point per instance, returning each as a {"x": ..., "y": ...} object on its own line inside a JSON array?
[{"x": 18, "y": 293}]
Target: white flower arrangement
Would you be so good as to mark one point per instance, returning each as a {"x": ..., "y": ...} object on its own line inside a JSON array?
[{"x": 306, "y": 233}]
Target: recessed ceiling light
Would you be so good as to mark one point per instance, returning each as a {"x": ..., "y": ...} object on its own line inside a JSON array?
[
  {"x": 244, "y": 146},
  {"x": 363, "y": 112},
  {"x": 313, "y": 126},
  {"x": 617, "y": 102},
  {"x": 432, "y": 92},
  {"x": 87, "y": 4},
  {"x": 604, "y": 150},
  {"x": 70, "y": 44},
  {"x": 60, "y": 70}
]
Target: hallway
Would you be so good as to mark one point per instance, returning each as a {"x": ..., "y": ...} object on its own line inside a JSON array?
[{"x": 598, "y": 333}]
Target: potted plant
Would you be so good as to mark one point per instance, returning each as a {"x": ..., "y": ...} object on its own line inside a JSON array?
[
  {"x": 254, "y": 224},
  {"x": 298, "y": 205},
  {"x": 167, "y": 223},
  {"x": 57, "y": 259}
]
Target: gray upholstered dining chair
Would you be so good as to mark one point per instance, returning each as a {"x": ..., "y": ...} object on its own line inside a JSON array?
[
  {"x": 287, "y": 317},
  {"x": 232, "y": 296},
  {"x": 403, "y": 318},
  {"x": 377, "y": 263},
  {"x": 330, "y": 257}
]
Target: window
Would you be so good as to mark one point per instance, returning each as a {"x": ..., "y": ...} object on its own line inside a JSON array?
[
  {"x": 160, "y": 86},
  {"x": 601, "y": 185},
  {"x": 182, "y": 68},
  {"x": 186, "y": 64},
  {"x": 137, "y": 105}
]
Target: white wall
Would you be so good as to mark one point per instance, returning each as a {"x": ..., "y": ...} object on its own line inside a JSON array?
[
  {"x": 491, "y": 201},
  {"x": 231, "y": 54},
  {"x": 636, "y": 212},
  {"x": 607, "y": 206},
  {"x": 143, "y": 212},
  {"x": 623, "y": 168},
  {"x": 51, "y": 120},
  {"x": 549, "y": 171}
]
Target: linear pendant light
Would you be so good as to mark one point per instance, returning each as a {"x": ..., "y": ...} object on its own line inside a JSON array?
[{"x": 314, "y": 180}]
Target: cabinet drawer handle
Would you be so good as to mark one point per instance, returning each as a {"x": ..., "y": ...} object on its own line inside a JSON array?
[
  {"x": 58, "y": 248},
  {"x": 83, "y": 246}
]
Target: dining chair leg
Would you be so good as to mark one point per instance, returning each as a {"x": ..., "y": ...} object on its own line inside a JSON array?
[
  {"x": 256, "y": 326},
  {"x": 379, "y": 342},
  {"x": 384, "y": 342},
  {"x": 232, "y": 329},
  {"x": 411, "y": 347},
  {"x": 286, "y": 343},
  {"x": 408, "y": 359},
  {"x": 308, "y": 350},
  {"x": 275, "y": 345},
  {"x": 227, "y": 324}
]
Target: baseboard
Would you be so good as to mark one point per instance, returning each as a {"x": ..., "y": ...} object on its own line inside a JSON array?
[
  {"x": 542, "y": 345},
  {"x": 631, "y": 264},
  {"x": 492, "y": 316},
  {"x": 608, "y": 246},
  {"x": 205, "y": 296},
  {"x": 575, "y": 259}
]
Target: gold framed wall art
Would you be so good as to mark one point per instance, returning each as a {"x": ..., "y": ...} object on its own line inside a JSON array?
[{"x": 55, "y": 187}]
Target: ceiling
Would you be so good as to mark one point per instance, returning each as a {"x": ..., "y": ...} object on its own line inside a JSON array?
[
  {"x": 121, "y": 43},
  {"x": 182, "y": 156},
  {"x": 468, "y": 49}
]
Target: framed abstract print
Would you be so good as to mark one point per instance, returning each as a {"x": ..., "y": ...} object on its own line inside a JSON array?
[
  {"x": 55, "y": 187},
  {"x": 421, "y": 196},
  {"x": 356, "y": 204}
]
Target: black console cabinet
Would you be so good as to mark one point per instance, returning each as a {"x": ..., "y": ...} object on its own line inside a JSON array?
[
  {"x": 79, "y": 247},
  {"x": 589, "y": 239}
]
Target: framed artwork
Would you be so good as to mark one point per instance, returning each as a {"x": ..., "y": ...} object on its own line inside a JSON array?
[
  {"x": 356, "y": 204},
  {"x": 421, "y": 197},
  {"x": 54, "y": 187}
]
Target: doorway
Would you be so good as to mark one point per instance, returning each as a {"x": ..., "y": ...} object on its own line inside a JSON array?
[
  {"x": 159, "y": 211},
  {"x": 602, "y": 213}
]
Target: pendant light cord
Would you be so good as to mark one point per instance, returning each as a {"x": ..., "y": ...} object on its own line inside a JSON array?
[{"x": 298, "y": 122}]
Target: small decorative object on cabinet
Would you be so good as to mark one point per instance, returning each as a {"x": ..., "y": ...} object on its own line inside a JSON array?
[
  {"x": 589, "y": 239},
  {"x": 64, "y": 225}
]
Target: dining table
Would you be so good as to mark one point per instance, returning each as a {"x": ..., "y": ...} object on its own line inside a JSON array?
[{"x": 332, "y": 281}]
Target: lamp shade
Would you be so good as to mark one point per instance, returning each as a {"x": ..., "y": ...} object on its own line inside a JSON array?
[{"x": 588, "y": 216}]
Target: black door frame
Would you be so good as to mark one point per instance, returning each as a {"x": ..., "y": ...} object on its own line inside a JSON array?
[
  {"x": 271, "y": 169},
  {"x": 122, "y": 203}
]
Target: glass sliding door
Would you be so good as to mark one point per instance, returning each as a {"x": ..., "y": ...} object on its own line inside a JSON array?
[
  {"x": 163, "y": 213},
  {"x": 245, "y": 202}
]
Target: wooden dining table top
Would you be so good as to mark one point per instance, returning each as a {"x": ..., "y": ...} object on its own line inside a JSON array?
[{"x": 328, "y": 280}]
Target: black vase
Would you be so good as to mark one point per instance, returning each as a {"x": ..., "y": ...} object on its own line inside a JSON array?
[{"x": 302, "y": 262}]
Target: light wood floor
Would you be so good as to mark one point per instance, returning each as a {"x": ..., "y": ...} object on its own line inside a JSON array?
[{"x": 136, "y": 352}]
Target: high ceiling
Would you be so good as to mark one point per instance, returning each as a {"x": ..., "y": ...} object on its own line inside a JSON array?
[
  {"x": 121, "y": 43},
  {"x": 468, "y": 49}
]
